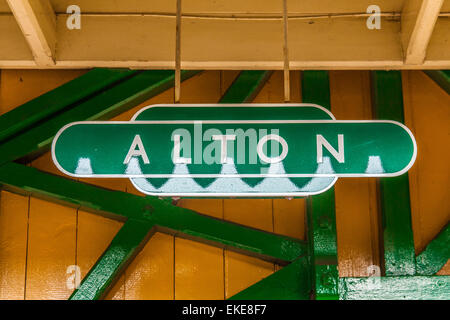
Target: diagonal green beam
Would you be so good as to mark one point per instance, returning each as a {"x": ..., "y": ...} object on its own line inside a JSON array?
[
  {"x": 246, "y": 86},
  {"x": 171, "y": 219},
  {"x": 436, "y": 254},
  {"x": 59, "y": 99},
  {"x": 104, "y": 105},
  {"x": 395, "y": 288},
  {"x": 399, "y": 254},
  {"x": 441, "y": 77},
  {"x": 123, "y": 248},
  {"x": 290, "y": 283},
  {"x": 321, "y": 216}
]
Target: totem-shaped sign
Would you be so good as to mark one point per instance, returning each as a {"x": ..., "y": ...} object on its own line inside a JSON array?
[{"x": 235, "y": 150}]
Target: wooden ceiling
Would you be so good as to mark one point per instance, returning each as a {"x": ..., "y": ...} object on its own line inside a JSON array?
[{"x": 226, "y": 34}]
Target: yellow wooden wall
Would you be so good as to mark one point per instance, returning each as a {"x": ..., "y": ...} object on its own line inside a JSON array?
[{"x": 39, "y": 239}]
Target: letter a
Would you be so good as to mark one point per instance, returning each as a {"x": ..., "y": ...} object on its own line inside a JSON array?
[
  {"x": 140, "y": 152},
  {"x": 74, "y": 18},
  {"x": 374, "y": 20}
]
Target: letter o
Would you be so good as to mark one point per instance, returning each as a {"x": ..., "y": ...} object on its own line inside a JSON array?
[{"x": 275, "y": 137}]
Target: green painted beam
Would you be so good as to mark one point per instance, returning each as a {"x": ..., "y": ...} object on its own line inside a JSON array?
[
  {"x": 321, "y": 216},
  {"x": 123, "y": 248},
  {"x": 59, "y": 99},
  {"x": 246, "y": 86},
  {"x": 171, "y": 219},
  {"x": 441, "y": 77},
  {"x": 316, "y": 88},
  {"x": 436, "y": 254},
  {"x": 395, "y": 288},
  {"x": 104, "y": 105},
  {"x": 399, "y": 254},
  {"x": 290, "y": 283}
]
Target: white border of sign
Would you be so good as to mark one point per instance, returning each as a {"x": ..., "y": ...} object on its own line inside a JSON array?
[{"x": 226, "y": 105}]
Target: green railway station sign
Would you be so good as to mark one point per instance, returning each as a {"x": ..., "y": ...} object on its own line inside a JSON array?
[{"x": 245, "y": 150}]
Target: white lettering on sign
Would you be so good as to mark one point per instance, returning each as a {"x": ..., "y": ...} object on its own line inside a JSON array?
[
  {"x": 274, "y": 137},
  {"x": 139, "y": 152},
  {"x": 177, "y": 158},
  {"x": 322, "y": 142},
  {"x": 223, "y": 145},
  {"x": 137, "y": 148}
]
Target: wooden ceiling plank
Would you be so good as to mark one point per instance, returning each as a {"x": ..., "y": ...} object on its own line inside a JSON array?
[
  {"x": 37, "y": 20},
  {"x": 418, "y": 20}
]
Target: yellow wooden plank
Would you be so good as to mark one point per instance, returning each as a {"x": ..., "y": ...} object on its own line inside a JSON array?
[
  {"x": 323, "y": 43},
  {"x": 146, "y": 40},
  {"x": 294, "y": 7},
  {"x": 150, "y": 275},
  {"x": 203, "y": 88},
  {"x": 121, "y": 6},
  {"x": 94, "y": 234},
  {"x": 273, "y": 91},
  {"x": 260, "y": 42},
  {"x": 289, "y": 217},
  {"x": 227, "y": 6},
  {"x": 256, "y": 213},
  {"x": 20, "y": 86},
  {"x": 445, "y": 271},
  {"x": 427, "y": 114},
  {"x": 51, "y": 250},
  {"x": 117, "y": 292},
  {"x": 356, "y": 202},
  {"x": 15, "y": 49},
  {"x": 210, "y": 207},
  {"x": 242, "y": 271},
  {"x": 13, "y": 245},
  {"x": 439, "y": 45},
  {"x": 51, "y": 239},
  {"x": 199, "y": 272},
  {"x": 45, "y": 163}
]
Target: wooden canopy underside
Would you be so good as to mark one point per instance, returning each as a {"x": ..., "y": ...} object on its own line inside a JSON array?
[{"x": 226, "y": 34}]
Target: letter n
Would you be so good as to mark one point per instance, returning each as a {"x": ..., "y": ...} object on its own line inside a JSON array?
[{"x": 322, "y": 142}]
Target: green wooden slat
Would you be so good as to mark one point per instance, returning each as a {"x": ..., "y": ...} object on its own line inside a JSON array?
[
  {"x": 40, "y": 108},
  {"x": 441, "y": 77},
  {"x": 104, "y": 105},
  {"x": 123, "y": 248},
  {"x": 399, "y": 255},
  {"x": 321, "y": 214},
  {"x": 395, "y": 288},
  {"x": 290, "y": 283},
  {"x": 316, "y": 88},
  {"x": 246, "y": 86},
  {"x": 436, "y": 254},
  {"x": 171, "y": 219}
]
